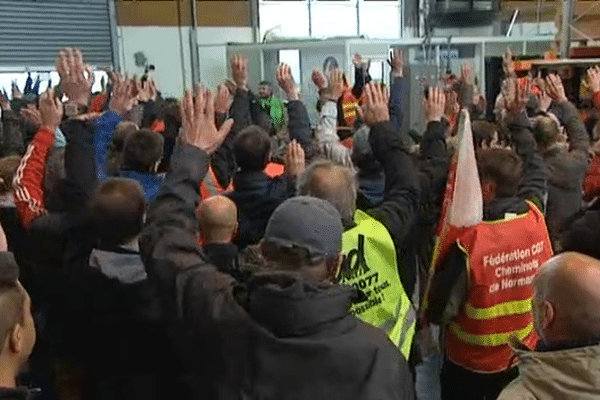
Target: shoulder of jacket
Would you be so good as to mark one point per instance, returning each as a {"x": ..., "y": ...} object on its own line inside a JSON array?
[{"x": 516, "y": 391}]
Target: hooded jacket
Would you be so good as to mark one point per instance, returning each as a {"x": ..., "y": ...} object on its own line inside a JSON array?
[
  {"x": 19, "y": 393},
  {"x": 562, "y": 374},
  {"x": 275, "y": 335}
]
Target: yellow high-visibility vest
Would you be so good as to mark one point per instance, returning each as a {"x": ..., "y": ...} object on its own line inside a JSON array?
[{"x": 372, "y": 267}]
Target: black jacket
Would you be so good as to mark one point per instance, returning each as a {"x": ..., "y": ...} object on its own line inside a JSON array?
[
  {"x": 582, "y": 234},
  {"x": 398, "y": 211},
  {"x": 256, "y": 196},
  {"x": 449, "y": 281},
  {"x": 566, "y": 170},
  {"x": 432, "y": 169},
  {"x": 20, "y": 393},
  {"x": 103, "y": 314},
  {"x": 275, "y": 336},
  {"x": 11, "y": 140}
]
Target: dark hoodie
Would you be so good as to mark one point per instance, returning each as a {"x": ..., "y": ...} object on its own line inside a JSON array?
[
  {"x": 275, "y": 336},
  {"x": 20, "y": 393}
]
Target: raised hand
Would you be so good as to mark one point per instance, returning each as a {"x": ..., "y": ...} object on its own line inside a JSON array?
[
  {"x": 515, "y": 96},
  {"x": 396, "y": 62},
  {"x": 51, "y": 111},
  {"x": 295, "y": 160},
  {"x": 466, "y": 73},
  {"x": 76, "y": 78},
  {"x": 223, "y": 100},
  {"x": 555, "y": 88},
  {"x": 434, "y": 105},
  {"x": 287, "y": 83},
  {"x": 375, "y": 108},
  {"x": 4, "y": 102},
  {"x": 593, "y": 79},
  {"x": 452, "y": 104},
  {"x": 239, "y": 69},
  {"x": 16, "y": 92},
  {"x": 124, "y": 95},
  {"x": 32, "y": 115},
  {"x": 507, "y": 63},
  {"x": 198, "y": 120},
  {"x": 360, "y": 63},
  {"x": 319, "y": 79},
  {"x": 336, "y": 84},
  {"x": 146, "y": 90},
  {"x": 544, "y": 99}
]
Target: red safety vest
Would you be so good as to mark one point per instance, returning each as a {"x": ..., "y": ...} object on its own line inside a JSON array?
[{"x": 503, "y": 258}]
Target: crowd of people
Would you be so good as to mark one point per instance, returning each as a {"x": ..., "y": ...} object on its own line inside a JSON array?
[{"x": 219, "y": 246}]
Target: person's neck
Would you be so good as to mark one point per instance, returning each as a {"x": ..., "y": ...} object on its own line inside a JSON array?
[
  {"x": 217, "y": 241},
  {"x": 7, "y": 375}
]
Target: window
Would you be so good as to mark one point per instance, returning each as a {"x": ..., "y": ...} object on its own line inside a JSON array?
[
  {"x": 292, "y": 58},
  {"x": 378, "y": 19}
]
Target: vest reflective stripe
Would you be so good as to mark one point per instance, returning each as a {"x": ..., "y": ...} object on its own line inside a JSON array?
[
  {"x": 349, "y": 105},
  {"x": 492, "y": 339},
  {"x": 500, "y": 310},
  {"x": 371, "y": 266}
]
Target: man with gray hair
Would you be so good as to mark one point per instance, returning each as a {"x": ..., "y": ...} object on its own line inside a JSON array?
[
  {"x": 565, "y": 364},
  {"x": 371, "y": 240}
]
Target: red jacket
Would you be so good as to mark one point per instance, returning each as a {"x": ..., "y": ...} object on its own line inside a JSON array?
[{"x": 27, "y": 184}]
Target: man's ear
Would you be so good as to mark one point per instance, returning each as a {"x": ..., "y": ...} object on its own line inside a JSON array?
[
  {"x": 234, "y": 232},
  {"x": 548, "y": 314},
  {"x": 16, "y": 339},
  {"x": 333, "y": 269}
]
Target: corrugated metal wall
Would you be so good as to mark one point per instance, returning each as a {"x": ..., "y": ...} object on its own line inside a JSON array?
[{"x": 32, "y": 31}]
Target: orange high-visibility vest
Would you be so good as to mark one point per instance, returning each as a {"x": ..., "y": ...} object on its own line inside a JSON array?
[
  {"x": 273, "y": 170},
  {"x": 349, "y": 105},
  {"x": 503, "y": 259},
  {"x": 210, "y": 187}
]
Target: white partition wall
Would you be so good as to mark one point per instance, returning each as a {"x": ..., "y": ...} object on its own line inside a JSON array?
[{"x": 422, "y": 64}]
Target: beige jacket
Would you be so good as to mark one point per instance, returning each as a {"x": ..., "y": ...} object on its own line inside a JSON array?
[{"x": 564, "y": 374}]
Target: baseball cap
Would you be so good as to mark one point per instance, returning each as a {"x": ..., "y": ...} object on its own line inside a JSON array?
[{"x": 306, "y": 222}]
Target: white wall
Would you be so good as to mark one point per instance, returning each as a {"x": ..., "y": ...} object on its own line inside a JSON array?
[{"x": 163, "y": 48}]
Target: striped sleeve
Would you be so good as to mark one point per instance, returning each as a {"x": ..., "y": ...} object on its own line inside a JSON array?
[{"x": 28, "y": 181}]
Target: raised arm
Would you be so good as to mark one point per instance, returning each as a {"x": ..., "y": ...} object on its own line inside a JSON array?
[
  {"x": 533, "y": 185},
  {"x": 169, "y": 240},
  {"x": 593, "y": 82},
  {"x": 28, "y": 181},
  {"x": 122, "y": 100},
  {"x": 579, "y": 141},
  {"x": 361, "y": 75},
  {"x": 240, "y": 109},
  {"x": 326, "y": 135},
  {"x": 401, "y": 184},
  {"x": 299, "y": 124},
  {"x": 12, "y": 138},
  {"x": 396, "y": 61}
]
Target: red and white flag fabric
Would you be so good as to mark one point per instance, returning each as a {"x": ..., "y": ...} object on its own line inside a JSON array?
[{"x": 463, "y": 200}]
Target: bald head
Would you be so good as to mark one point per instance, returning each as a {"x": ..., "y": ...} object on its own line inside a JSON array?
[
  {"x": 218, "y": 219},
  {"x": 567, "y": 298},
  {"x": 334, "y": 183}
]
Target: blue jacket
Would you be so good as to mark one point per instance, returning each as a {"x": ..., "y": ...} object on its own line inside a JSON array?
[
  {"x": 106, "y": 126},
  {"x": 150, "y": 182}
]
